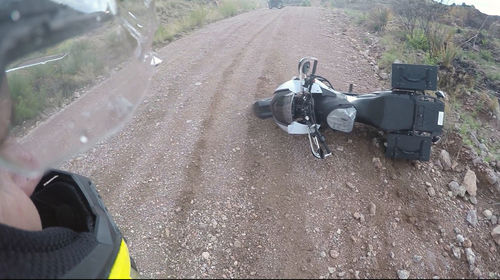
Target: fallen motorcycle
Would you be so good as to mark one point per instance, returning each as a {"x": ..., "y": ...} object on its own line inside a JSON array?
[{"x": 410, "y": 119}]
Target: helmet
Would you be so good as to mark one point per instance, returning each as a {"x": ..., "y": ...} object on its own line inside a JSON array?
[{"x": 72, "y": 71}]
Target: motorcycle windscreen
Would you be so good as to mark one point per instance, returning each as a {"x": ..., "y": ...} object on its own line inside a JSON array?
[{"x": 281, "y": 106}]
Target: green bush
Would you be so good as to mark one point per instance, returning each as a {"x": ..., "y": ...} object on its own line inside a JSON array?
[
  {"x": 28, "y": 101},
  {"x": 389, "y": 57},
  {"x": 486, "y": 55},
  {"x": 228, "y": 8},
  {"x": 418, "y": 40},
  {"x": 163, "y": 34},
  {"x": 198, "y": 17}
]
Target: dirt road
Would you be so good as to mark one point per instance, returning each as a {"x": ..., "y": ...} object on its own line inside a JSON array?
[{"x": 202, "y": 188}]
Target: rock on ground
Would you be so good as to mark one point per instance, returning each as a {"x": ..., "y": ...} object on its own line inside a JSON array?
[
  {"x": 377, "y": 163},
  {"x": 403, "y": 274},
  {"x": 470, "y": 182},
  {"x": 472, "y": 217},
  {"x": 456, "y": 189},
  {"x": 495, "y": 233},
  {"x": 491, "y": 177},
  {"x": 431, "y": 192},
  {"x": 373, "y": 209},
  {"x": 444, "y": 158},
  {"x": 487, "y": 214},
  {"x": 471, "y": 257}
]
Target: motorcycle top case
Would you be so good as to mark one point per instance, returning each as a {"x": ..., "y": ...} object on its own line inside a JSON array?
[{"x": 414, "y": 77}]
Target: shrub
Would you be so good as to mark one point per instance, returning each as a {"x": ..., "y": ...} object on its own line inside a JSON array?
[
  {"x": 198, "y": 17},
  {"x": 163, "y": 34},
  {"x": 448, "y": 54},
  {"x": 378, "y": 19},
  {"x": 389, "y": 57},
  {"x": 228, "y": 8},
  {"x": 486, "y": 55},
  {"x": 417, "y": 40},
  {"x": 27, "y": 101}
]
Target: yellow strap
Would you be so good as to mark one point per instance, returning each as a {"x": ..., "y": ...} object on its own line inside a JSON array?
[{"x": 121, "y": 267}]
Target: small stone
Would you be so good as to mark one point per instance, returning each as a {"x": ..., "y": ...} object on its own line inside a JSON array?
[
  {"x": 487, "y": 214},
  {"x": 472, "y": 217},
  {"x": 322, "y": 254},
  {"x": 237, "y": 244},
  {"x": 205, "y": 255},
  {"x": 470, "y": 182},
  {"x": 252, "y": 273},
  {"x": 341, "y": 274},
  {"x": 334, "y": 254},
  {"x": 384, "y": 76},
  {"x": 356, "y": 274},
  {"x": 444, "y": 158},
  {"x": 377, "y": 163},
  {"x": 471, "y": 257},
  {"x": 495, "y": 233},
  {"x": 431, "y": 192},
  {"x": 467, "y": 243},
  {"x": 350, "y": 185},
  {"x": 477, "y": 272},
  {"x": 359, "y": 216},
  {"x": 197, "y": 84},
  {"x": 491, "y": 177},
  {"x": 460, "y": 238},
  {"x": 473, "y": 200},
  {"x": 435, "y": 277},
  {"x": 331, "y": 270},
  {"x": 456, "y": 252},
  {"x": 403, "y": 274},
  {"x": 494, "y": 219},
  {"x": 391, "y": 254},
  {"x": 428, "y": 184},
  {"x": 340, "y": 148},
  {"x": 417, "y": 258},
  {"x": 456, "y": 189},
  {"x": 373, "y": 209}
]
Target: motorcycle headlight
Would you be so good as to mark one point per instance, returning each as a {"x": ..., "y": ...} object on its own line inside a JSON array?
[{"x": 281, "y": 106}]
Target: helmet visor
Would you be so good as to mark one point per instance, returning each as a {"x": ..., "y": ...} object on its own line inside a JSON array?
[{"x": 74, "y": 73}]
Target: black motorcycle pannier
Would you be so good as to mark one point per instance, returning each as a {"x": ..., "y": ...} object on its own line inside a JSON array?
[
  {"x": 411, "y": 147},
  {"x": 414, "y": 77}
]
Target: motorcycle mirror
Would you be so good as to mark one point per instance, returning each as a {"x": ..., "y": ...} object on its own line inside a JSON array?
[{"x": 306, "y": 67}]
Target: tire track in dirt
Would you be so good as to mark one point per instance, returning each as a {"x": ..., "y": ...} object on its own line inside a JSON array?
[
  {"x": 114, "y": 178},
  {"x": 194, "y": 178},
  {"x": 193, "y": 183}
]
